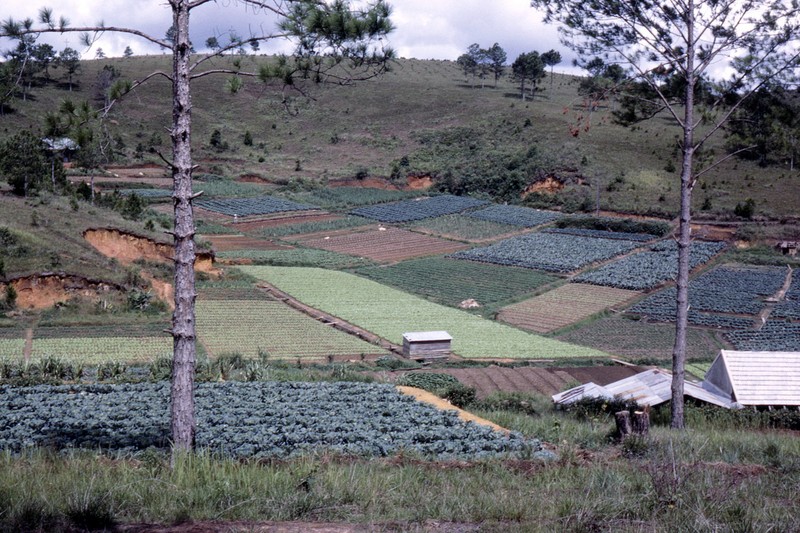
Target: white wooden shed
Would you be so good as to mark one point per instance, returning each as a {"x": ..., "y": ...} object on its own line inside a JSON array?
[
  {"x": 426, "y": 344},
  {"x": 759, "y": 379}
]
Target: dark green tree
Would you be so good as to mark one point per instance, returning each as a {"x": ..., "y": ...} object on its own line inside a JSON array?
[
  {"x": 551, "y": 58},
  {"x": 528, "y": 68},
  {"x": 70, "y": 60},
  {"x": 686, "y": 43},
  {"x": 25, "y": 163},
  {"x": 496, "y": 57}
]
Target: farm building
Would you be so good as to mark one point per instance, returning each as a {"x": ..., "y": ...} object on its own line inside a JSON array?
[
  {"x": 651, "y": 387},
  {"x": 426, "y": 344},
  {"x": 756, "y": 379}
]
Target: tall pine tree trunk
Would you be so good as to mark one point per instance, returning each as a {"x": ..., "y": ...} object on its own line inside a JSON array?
[
  {"x": 684, "y": 233},
  {"x": 183, "y": 318}
]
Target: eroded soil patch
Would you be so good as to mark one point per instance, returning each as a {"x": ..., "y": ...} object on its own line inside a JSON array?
[
  {"x": 41, "y": 291},
  {"x": 127, "y": 247}
]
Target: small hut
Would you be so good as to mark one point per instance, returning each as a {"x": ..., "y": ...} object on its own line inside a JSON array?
[{"x": 426, "y": 344}]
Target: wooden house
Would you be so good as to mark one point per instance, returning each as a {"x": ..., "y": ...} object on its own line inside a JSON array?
[
  {"x": 426, "y": 344},
  {"x": 756, "y": 379}
]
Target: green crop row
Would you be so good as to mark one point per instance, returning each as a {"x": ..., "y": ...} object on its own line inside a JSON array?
[
  {"x": 254, "y": 327},
  {"x": 389, "y": 313},
  {"x": 450, "y": 282}
]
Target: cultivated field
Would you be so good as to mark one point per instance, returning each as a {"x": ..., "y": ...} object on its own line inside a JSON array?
[
  {"x": 389, "y": 313},
  {"x": 261, "y": 325},
  {"x": 385, "y": 245},
  {"x": 563, "y": 306}
]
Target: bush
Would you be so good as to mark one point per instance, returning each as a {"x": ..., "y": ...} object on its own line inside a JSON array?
[
  {"x": 746, "y": 209},
  {"x": 442, "y": 385},
  {"x": 517, "y": 402},
  {"x": 623, "y": 225}
]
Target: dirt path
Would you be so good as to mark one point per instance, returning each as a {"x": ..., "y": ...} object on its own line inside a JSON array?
[
  {"x": 762, "y": 317},
  {"x": 26, "y": 352}
]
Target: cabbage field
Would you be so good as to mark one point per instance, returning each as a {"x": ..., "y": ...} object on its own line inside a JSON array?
[
  {"x": 551, "y": 252},
  {"x": 514, "y": 215},
  {"x": 418, "y": 209},
  {"x": 389, "y": 313},
  {"x": 649, "y": 268},
  {"x": 244, "y": 420},
  {"x": 244, "y": 207}
]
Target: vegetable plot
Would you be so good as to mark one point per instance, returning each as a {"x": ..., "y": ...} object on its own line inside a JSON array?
[
  {"x": 776, "y": 335},
  {"x": 724, "y": 291},
  {"x": 244, "y": 207},
  {"x": 245, "y": 420},
  {"x": 418, "y": 209},
  {"x": 249, "y": 326},
  {"x": 389, "y": 313},
  {"x": 551, "y": 252},
  {"x": 514, "y": 215},
  {"x": 650, "y": 268},
  {"x": 451, "y": 282}
]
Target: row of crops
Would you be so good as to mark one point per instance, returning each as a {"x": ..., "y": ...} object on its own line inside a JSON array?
[
  {"x": 515, "y": 215},
  {"x": 419, "y": 208},
  {"x": 389, "y": 313},
  {"x": 245, "y": 420},
  {"x": 727, "y": 290},
  {"x": 550, "y": 252},
  {"x": 243, "y": 207},
  {"x": 649, "y": 268},
  {"x": 451, "y": 282}
]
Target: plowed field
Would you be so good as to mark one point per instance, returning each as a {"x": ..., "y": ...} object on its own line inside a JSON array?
[
  {"x": 386, "y": 245},
  {"x": 563, "y": 306},
  {"x": 547, "y": 381},
  {"x": 228, "y": 243}
]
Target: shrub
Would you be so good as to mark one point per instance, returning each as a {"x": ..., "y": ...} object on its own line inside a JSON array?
[
  {"x": 442, "y": 385},
  {"x": 517, "y": 402},
  {"x": 746, "y": 209}
]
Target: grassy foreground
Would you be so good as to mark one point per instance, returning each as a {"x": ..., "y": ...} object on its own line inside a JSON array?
[{"x": 704, "y": 479}]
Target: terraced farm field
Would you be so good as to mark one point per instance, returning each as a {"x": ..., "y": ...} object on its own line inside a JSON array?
[
  {"x": 295, "y": 257},
  {"x": 464, "y": 228},
  {"x": 385, "y": 246},
  {"x": 551, "y": 252},
  {"x": 228, "y": 243},
  {"x": 389, "y": 313},
  {"x": 563, "y": 306},
  {"x": 451, "y": 282},
  {"x": 637, "y": 340},
  {"x": 90, "y": 345},
  {"x": 256, "y": 324},
  {"x": 419, "y": 208}
]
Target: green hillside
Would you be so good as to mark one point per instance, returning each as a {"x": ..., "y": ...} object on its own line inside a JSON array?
[{"x": 422, "y": 118}]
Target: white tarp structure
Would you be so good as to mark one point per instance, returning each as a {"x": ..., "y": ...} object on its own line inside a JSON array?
[{"x": 651, "y": 387}]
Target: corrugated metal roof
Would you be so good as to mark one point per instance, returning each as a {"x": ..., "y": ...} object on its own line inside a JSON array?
[
  {"x": 427, "y": 336},
  {"x": 651, "y": 387},
  {"x": 760, "y": 378}
]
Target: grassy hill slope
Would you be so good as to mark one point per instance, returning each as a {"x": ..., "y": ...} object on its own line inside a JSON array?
[{"x": 422, "y": 118}]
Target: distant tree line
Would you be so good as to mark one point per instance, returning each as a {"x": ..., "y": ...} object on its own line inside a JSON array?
[{"x": 529, "y": 69}]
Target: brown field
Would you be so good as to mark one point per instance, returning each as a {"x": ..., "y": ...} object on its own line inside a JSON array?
[
  {"x": 228, "y": 243},
  {"x": 547, "y": 381},
  {"x": 385, "y": 245},
  {"x": 563, "y": 306}
]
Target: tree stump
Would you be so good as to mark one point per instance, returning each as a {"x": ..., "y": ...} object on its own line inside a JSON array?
[
  {"x": 641, "y": 423},
  {"x": 624, "y": 427}
]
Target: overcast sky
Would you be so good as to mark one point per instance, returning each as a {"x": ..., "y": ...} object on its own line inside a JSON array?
[{"x": 425, "y": 29}]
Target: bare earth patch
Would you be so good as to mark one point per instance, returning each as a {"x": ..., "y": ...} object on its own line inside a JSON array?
[
  {"x": 385, "y": 244},
  {"x": 563, "y": 306},
  {"x": 228, "y": 243},
  {"x": 45, "y": 290}
]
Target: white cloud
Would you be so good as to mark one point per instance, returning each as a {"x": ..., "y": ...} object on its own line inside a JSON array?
[{"x": 425, "y": 29}]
